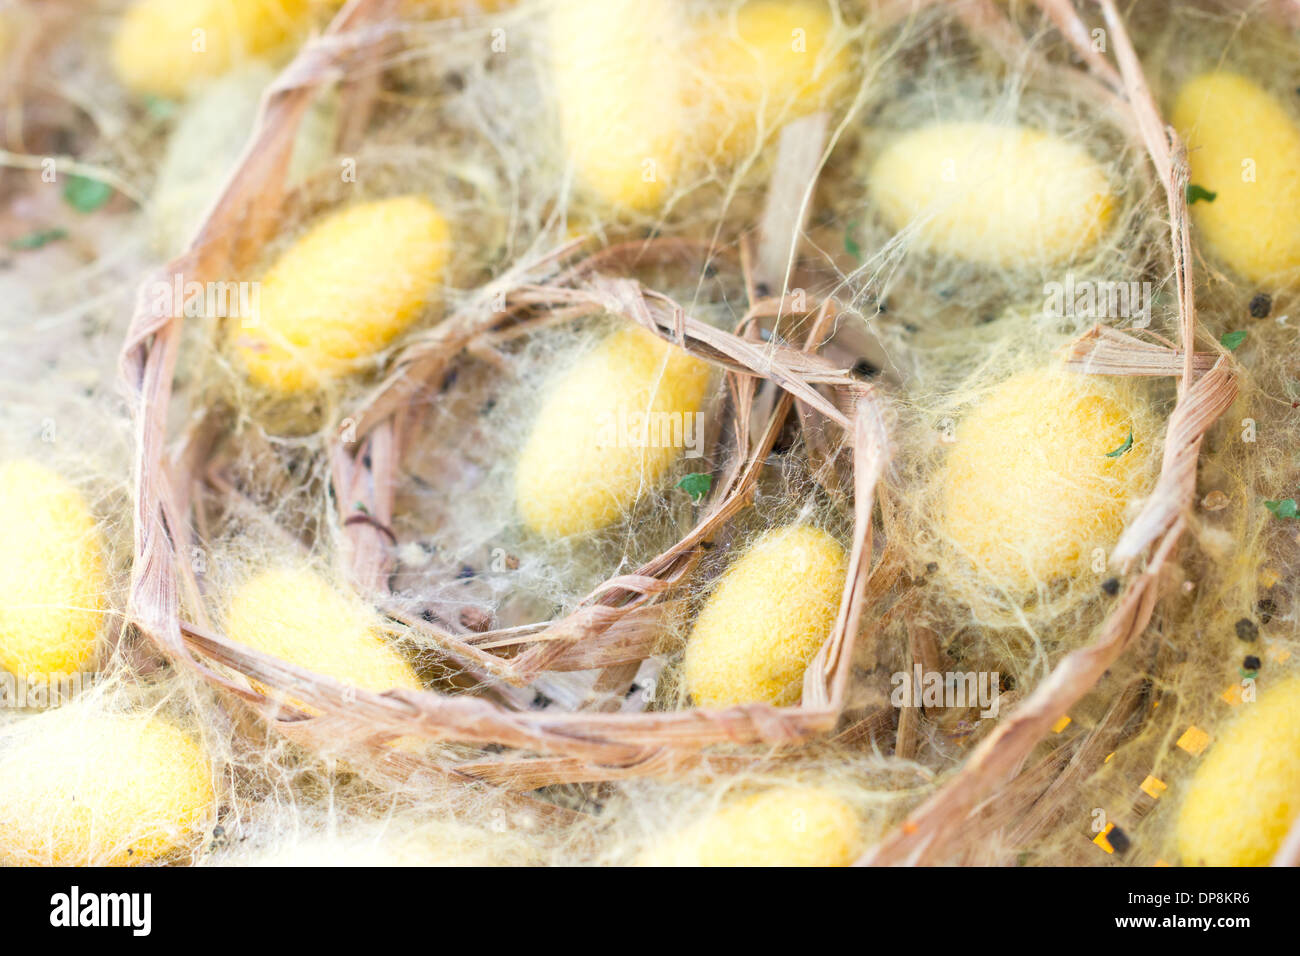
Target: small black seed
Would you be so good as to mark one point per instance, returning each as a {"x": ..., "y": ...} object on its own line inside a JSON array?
[
  {"x": 1110, "y": 586},
  {"x": 465, "y": 572},
  {"x": 1006, "y": 682},
  {"x": 710, "y": 270},
  {"x": 540, "y": 700},
  {"x": 1247, "y": 629},
  {"x": 932, "y": 567},
  {"x": 1252, "y": 663},
  {"x": 762, "y": 290},
  {"x": 1261, "y": 305},
  {"x": 1118, "y": 840},
  {"x": 1266, "y": 607}
]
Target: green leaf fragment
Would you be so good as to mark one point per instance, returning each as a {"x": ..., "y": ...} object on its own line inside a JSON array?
[
  {"x": 1285, "y": 508},
  {"x": 1230, "y": 340},
  {"x": 1195, "y": 192},
  {"x": 696, "y": 484},
  {"x": 85, "y": 194},
  {"x": 41, "y": 237},
  {"x": 1128, "y": 443}
]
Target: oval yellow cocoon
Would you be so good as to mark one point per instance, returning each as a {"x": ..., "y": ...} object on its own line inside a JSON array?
[
  {"x": 1030, "y": 484},
  {"x": 993, "y": 195},
  {"x": 768, "y": 616},
  {"x": 52, "y": 577},
  {"x": 1243, "y": 145},
  {"x": 618, "y": 76},
  {"x": 96, "y": 789},
  {"x": 1245, "y": 795},
  {"x": 344, "y": 291},
  {"x": 607, "y": 430},
  {"x": 294, "y": 614},
  {"x": 162, "y": 47},
  {"x": 791, "y": 826},
  {"x": 766, "y": 66}
]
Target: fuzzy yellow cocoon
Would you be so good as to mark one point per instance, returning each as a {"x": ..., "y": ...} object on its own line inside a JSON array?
[
  {"x": 1244, "y": 146},
  {"x": 766, "y": 619},
  {"x": 162, "y": 47},
  {"x": 295, "y": 614},
  {"x": 343, "y": 292},
  {"x": 791, "y": 826},
  {"x": 600, "y": 439},
  {"x": 993, "y": 195},
  {"x": 97, "y": 789},
  {"x": 761, "y": 68},
  {"x": 52, "y": 578},
  {"x": 1245, "y": 795},
  {"x": 1030, "y": 486},
  {"x": 646, "y": 94},
  {"x": 617, "y": 90}
]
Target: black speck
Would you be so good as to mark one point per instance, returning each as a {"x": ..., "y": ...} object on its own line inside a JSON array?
[
  {"x": 1247, "y": 630},
  {"x": 541, "y": 700},
  {"x": 1110, "y": 586},
  {"x": 1261, "y": 305},
  {"x": 762, "y": 290},
  {"x": 1266, "y": 607},
  {"x": 1118, "y": 840},
  {"x": 710, "y": 270},
  {"x": 465, "y": 572},
  {"x": 427, "y": 615},
  {"x": 932, "y": 567},
  {"x": 1252, "y": 663},
  {"x": 864, "y": 369},
  {"x": 1006, "y": 682},
  {"x": 455, "y": 81}
]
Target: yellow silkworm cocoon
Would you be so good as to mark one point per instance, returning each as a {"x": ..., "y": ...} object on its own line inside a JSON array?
[
  {"x": 609, "y": 428},
  {"x": 163, "y": 47},
  {"x": 993, "y": 195},
  {"x": 792, "y": 826},
  {"x": 766, "y": 619},
  {"x": 1245, "y": 795},
  {"x": 100, "y": 789},
  {"x": 617, "y": 70},
  {"x": 52, "y": 577},
  {"x": 342, "y": 292},
  {"x": 1244, "y": 146},
  {"x": 767, "y": 65},
  {"x": 294, "y": 614},
  {"x": 1040, "y": 472}
]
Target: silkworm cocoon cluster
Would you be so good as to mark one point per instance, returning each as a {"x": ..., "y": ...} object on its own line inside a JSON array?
[
  {"x": 647, "y": 94},
  {"x": 1040, "y": 472},
  {"x": 342, "y": 292},
  {"x": 294, "y": 614},
  {"x": 52, "y": 577},
  {"x": 1245, "y": 795},
  {"x": 99, "y": 789},
  {"x": 608, "y": 429},
  {"x": 619, "y": 93},
  {"x": 766, "y": 619},
  {"x": 791, "y": 826},
  {"x": 1243, "y": 146},
  {"x": 768, "y": 64},
  {"x": 163, "y": 47},
  {"x": 993, "y": 195}
]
